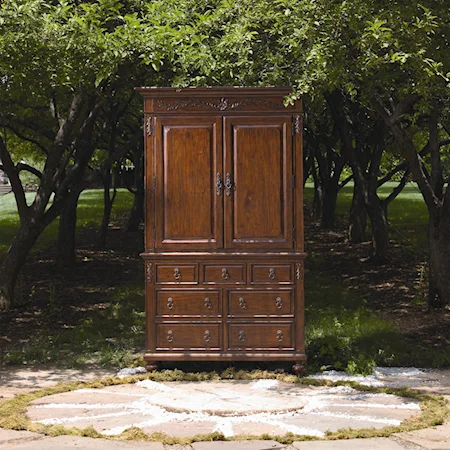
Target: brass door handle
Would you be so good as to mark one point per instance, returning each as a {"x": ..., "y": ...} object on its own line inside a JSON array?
[
  {"x": 242, "y": 303},
  {"x": 219, "y": 184},
  {"x": 208, "y": 303},
  {"x": 272, "y": 273},
  {"x": 170, "y": 303},
  {"x": 225, "y": 274},
  {"x": 279, "y": 302},
  {"x": 242, "y": 336},
  {"x": 177, "y": 273}
]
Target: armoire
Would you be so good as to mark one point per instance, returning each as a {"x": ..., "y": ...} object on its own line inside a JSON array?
[{"x": 224, "y": 249}]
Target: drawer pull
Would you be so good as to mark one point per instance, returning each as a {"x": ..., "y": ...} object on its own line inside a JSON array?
[
  {"x": 208, "y": 303},
  {"x": 177, "y": 273},
  {"x": 272, "y": 273},
  {"x": 207, "y": 337},
  {"x": 280, "y": 336},
  {"x": 225, "y": 274},
  {"x": 170, "y": 336},
  {"x": 170, "y": 303},
  {"x": 242, "y": 335},
  {"x": 279, "y": 302},
  {"x": 242, "y": 303}
]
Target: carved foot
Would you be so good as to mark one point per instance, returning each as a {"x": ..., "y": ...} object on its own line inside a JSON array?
[
  {"x": 152, "y": 366},
  {"x": 299, "y": 368}
]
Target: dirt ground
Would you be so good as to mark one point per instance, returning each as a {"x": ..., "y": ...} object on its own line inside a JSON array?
[{"x": 389, "y": 288}]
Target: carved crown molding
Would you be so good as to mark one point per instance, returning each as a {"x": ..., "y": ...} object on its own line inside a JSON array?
[{"x": 222, "y": 104}]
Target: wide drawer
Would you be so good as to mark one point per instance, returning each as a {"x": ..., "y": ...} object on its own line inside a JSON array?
[
  {"x": 188, "y": 303},
  {"x": 272, "y": 273},
  {"x": 260, "y": 303},
  {"x": 179, "y": 273},
  {"x": 226, "y": 273},
  {"x": 254, "y": 336},
  {"x": 201, "y": 336}
]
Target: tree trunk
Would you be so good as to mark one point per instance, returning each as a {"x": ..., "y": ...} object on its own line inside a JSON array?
[
  {"x": 108, "y": 202},
  {"x": 67, "y": 230},
  {"x": 357, "y": 217},
  {"x": 330, "y": 193},
  {"x": 15, "y": 259},
  {"x": 377, "y": 212},
  {"x": 137, "y": 210},
  {"x": 439, "y": 251}
]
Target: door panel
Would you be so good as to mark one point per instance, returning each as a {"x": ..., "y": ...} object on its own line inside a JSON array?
[
  {"x": 258, "y": 164},
  {"x": 189, "y": 211}
]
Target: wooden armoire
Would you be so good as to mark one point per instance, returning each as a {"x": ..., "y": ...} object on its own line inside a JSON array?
[{"x": 224, "y": 225}]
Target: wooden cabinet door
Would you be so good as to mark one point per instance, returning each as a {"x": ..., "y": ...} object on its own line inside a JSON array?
[
  {"x": 259, "y": 176},
  {"x": 188, "y": 205}
]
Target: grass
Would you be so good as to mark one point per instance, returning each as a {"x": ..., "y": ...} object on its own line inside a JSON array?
[
  {"x": 89, "y": 212},
  {"x": 341, "y": 330},
  {"x": 407, "y": 214}
]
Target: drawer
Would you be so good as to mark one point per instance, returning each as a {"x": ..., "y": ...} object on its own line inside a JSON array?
[
  {"x": 180, "y": 273},
  {"x": 254, "y": 336},
  {"x": 226, "y": 273},
  {"x": 176, "y": 336},
  {"x": 187, "y": 303},
  {"x": 272, "y": 273},
  {"x": 260, "y": 303}
]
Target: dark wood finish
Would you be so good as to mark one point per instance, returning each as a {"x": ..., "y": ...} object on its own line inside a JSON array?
[
  {"x": 260, "y": 303},
  {"x": 272, "y": 273},
  {"x": 176, "y": 273},
  {"x": 188, "y": 303},
  {"x": 258, "y": 160},
  {"x": 224, "y": 225},
  {"x": 257, "y": 336},
  {"x": 224, "y": 273},
  {"x": 185, "y": 336}
]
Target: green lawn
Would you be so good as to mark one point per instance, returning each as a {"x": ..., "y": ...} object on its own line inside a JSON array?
[
  {"x": 407, "y": 214},
  {"x": 341, "y": 330}
]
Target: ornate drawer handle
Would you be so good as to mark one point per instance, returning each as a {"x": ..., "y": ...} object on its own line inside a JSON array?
[
  {"x": 170, "y": 336},
  {"x": 219, "y": 184},
  {"x": 228, "y": 184},
  {"x": 280, "y": 336},
  {"x": 225, "y": 274},
  {"x": 242, "y": 303},
  {"x": 170, "y": 303},
  {"x": 177, "y": 273},
  {"x": 208, "y": 303},
  {"x": 207, "y": 337},
  {"x": 279, "y": 302},
  {"x": 242, "y": 335},
  {"x": 272, "y": 273}
]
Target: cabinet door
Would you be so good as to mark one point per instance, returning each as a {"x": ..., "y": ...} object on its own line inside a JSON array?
[
  {"x": 259, "y": 177},
  {"x": 188, "y": 206}
]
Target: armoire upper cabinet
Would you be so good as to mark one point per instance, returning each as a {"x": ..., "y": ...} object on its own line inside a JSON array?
[{"x": 222, "y": 175}]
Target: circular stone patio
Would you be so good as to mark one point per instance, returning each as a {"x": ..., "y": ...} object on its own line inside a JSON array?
[{"x": 184, "y": 409}]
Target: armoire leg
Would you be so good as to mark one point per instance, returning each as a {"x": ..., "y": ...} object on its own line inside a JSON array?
[
  {"x": 152, "y": 366},
  {"x": 299, "y": 368}
]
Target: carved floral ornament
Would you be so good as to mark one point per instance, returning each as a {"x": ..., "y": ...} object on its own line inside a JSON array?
[
  {"x": 149, "y": 126},
  {"x": 299, "y": 267},
  {"x": 223, "y": 104},
  {"x": 149, "y": 272},
  {"x": 298, "y": 123}
]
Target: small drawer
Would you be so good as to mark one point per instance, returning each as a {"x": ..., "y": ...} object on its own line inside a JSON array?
[
  {"x": 227, "y": 273},
  {"x": 187, "y": 303},
  {"x": 180, "y": 273},
  {"x": 251, "y": 336},
  {"x": 272, "y": 273},
  {"x": 260, "y": 303},
  {"x": 176, "y": 336}
]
